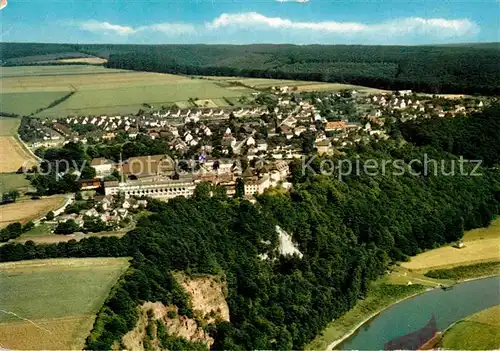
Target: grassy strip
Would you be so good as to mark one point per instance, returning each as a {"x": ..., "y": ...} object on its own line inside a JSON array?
[
  {"x": 466, "y": 272},
  {"x": 380, "y": 296}
]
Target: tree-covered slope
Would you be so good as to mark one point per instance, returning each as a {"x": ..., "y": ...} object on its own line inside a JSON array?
[{"x": 348, "y": 231}]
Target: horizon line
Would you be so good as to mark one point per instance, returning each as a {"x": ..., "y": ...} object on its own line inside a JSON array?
[{"x": 248, "y": 44}]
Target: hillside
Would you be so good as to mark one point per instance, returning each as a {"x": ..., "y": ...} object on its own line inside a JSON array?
[
  {"x": 347, "y": 232},
  {"x": 434, "y": 69}
]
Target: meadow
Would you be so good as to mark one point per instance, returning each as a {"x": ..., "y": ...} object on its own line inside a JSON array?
[
  {"x": 100, "y": 90},
  {"x": 481, "y": 331},
  {"x": 52, "y": 303},
  {"x": 13, "y": 181},
  {"x": 128, "y": 99},
  {"x": 26, "y": 210},
  {"x": 26, "y": 103}
]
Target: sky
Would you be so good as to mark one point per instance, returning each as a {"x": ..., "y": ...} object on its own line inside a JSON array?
[{"x": 404, "y": 22}]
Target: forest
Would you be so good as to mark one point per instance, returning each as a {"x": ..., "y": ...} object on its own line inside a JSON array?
[
  {"x": 473, "y": 137},
  {"x": 465, "y": 69},
  {"x": 349, "y": 232},
  {"x": 425, "y": 69}
]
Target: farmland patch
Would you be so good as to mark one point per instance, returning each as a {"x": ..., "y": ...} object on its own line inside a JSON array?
[
  {"x": 13, "y": 155},
  {"x": 25, "y": 103},
  {"x": 59, "y": 297},
  {"x": 26, "y": 210}
]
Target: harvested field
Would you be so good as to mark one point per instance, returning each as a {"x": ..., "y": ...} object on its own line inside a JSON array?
[
  {"x": 9, "y": 126},
  {"x": 473, "y": 252},
  {"x": 13, "y": 155},
  {"x": 59, "y": 297},
  {"x": 89, "y": 60},
  {"x": 24, "y": 71},
  {"x": 26, "y": 210},
  {"x": 70, "y": 333},
  {"x": 490, "y": 232},
  {"x": 480, "y": 245}
]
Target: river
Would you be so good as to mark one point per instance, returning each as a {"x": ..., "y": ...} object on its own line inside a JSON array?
[{"x": 447, "y": 306}]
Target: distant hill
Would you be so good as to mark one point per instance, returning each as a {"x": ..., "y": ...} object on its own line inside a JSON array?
[
  {"x": 492, "y": 45},
  {"x": 454, "y": 68}
]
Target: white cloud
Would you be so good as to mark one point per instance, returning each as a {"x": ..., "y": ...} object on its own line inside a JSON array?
[
  {"x": 254, "y": 20},
  {"x": 438, "y": 27},
  {"x": 108, "y": 28},
  {"x": 171, "y": 28},
  {"x": 251, "y": 22}
]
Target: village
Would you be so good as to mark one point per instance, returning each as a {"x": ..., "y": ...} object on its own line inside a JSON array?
[{"x": 245, "y": 150}]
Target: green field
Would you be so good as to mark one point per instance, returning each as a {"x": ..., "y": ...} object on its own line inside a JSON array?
[
  {"x": 12, "y": 181},
  {"x": 25, "y": 103},
  {"x": 52, "y": 303},
  {"x": 101, "y": 91},
  {"x": 481, "y": 331},
  {"x": 127, "y": 99}
]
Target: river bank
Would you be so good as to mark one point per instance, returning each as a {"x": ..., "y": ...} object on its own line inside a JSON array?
[
  {"x": 352, "y": 331},
  {"x": 380, "y": 297},
  {"x": 414, "y": 274},
  {"x": 480, "y": 331}
]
